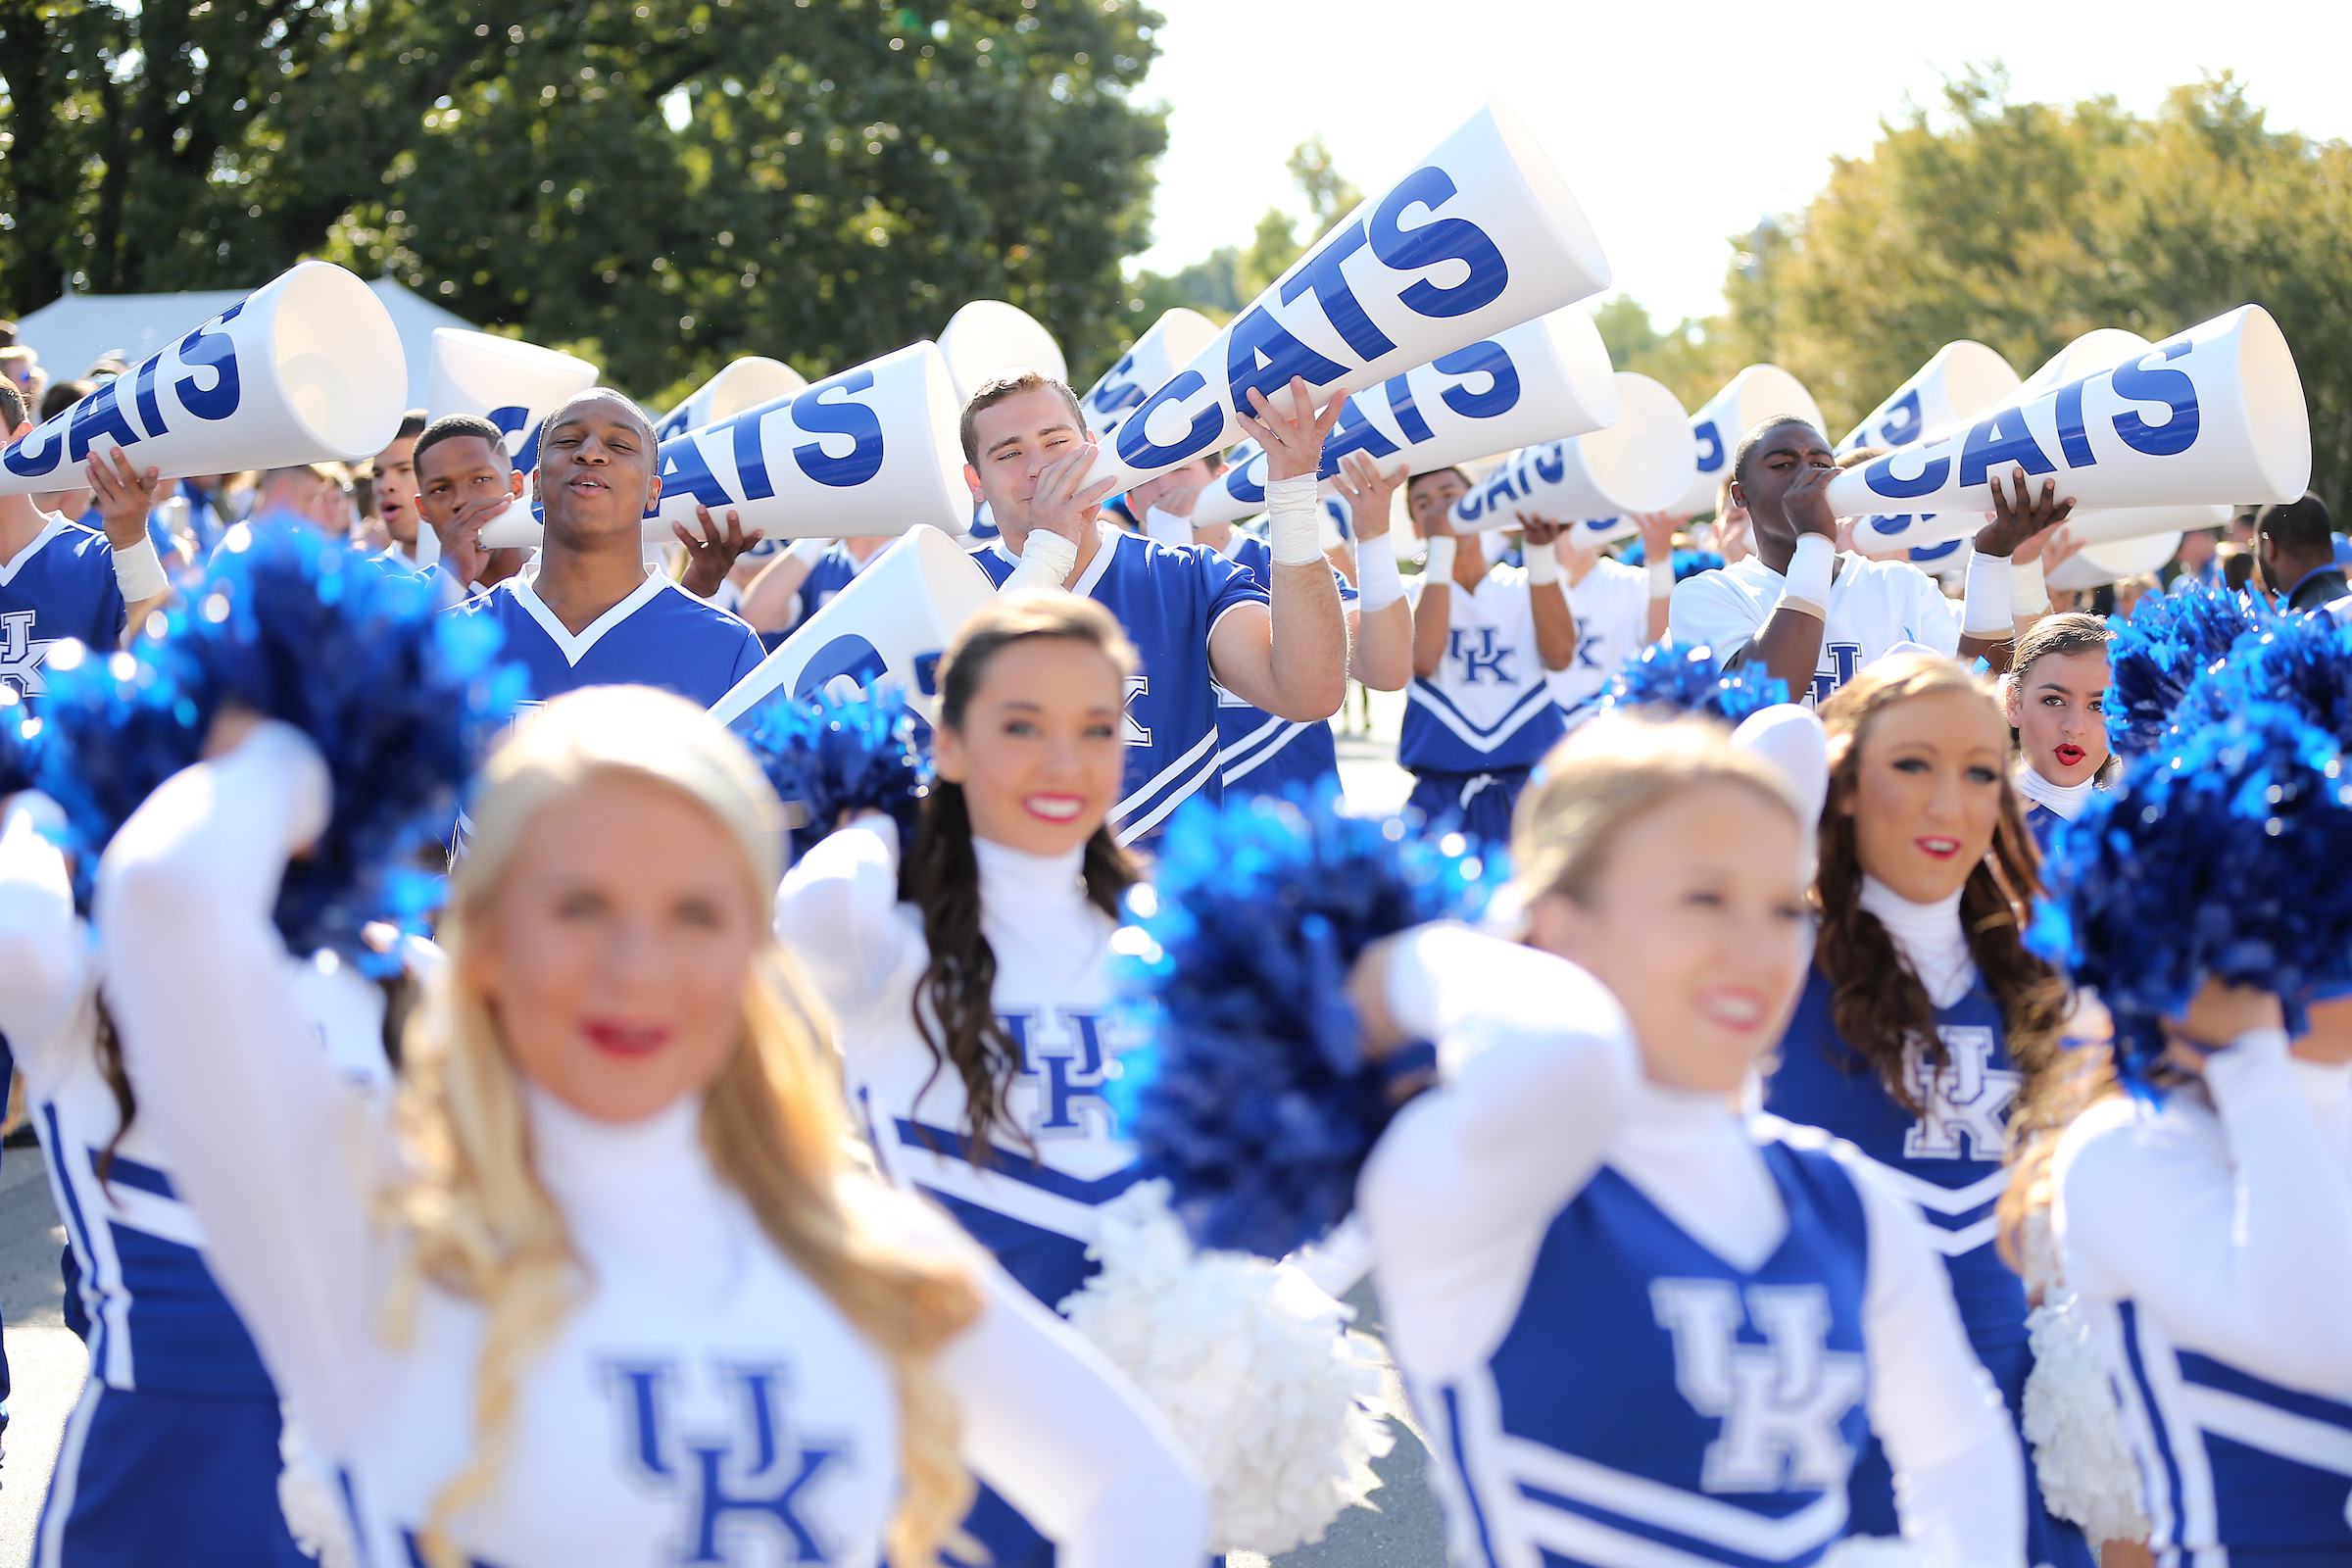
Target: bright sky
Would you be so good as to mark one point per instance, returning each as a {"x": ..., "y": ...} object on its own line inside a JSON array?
[{"x": 1672, "y": 130}]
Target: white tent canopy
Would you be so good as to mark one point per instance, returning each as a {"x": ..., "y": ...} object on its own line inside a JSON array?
[{"x": 70, "y": 334}]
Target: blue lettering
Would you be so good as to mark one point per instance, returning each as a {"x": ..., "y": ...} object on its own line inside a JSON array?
[
  {"x": 149, "y": 410},
  {"x": 2073, "y": 439},
  {"x": 30, "y": 460},
  {"x": 684, "y": 468},
  {"x": 2001, "y": 437},
  {"x": 1135, "y": 443},
  {"x": 1902, "y": 426},
  {"x": 1879, "y": 477},
  {"x": 645, "y": 1390},
  {"x": 1340, "y": 304},
  {"x": 750, "y": 453},
  {"x": 1356, "y": 433},
  {"x": 1441, "y": 239},
  {"x": 1486, "y": 655},
  {"x": 1239, "y": 483},
  {"x": 1889, "y": 527},
  {"x": 510, "y": 419},
  {"x": 1845, "y": 658},
  {"x": 100, "y": 414},
  {"x": 2156, "y": 384},
  {"x": 1481, "y": 359},
  {"x": 1710, "y": 446},
  {"x": 1401, "y": 409},
  {"x": 926, "y": 673},
  {"x": 847, "y": 655},
  {"x": 812, "y": 413},
  {"x": 1551, "y": 463},
  {"x": 1016, "y": 1029},
  {"x": 1257, "y": 335},
  {"x": 217, "y": 352},
  {"x": 1936, "y": 552},
  {"x": 1115, "y": 394}
]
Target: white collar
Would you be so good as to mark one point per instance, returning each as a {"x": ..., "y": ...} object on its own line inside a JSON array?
[
  {"x": 1690, "y": 1155},
  {"x": 644, "y": 1191},
  {"x": 56, "y": 525},
  {"x": 1928, "y": 936},
  {"x": 575, "y": 649},
  {"x": 2067, "y": 799},
  {"x": 1020, "y": 874},
  {"x": 1106, "y": 540}
]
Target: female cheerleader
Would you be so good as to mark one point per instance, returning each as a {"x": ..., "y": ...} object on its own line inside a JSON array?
[
  {"x": 2057, "y": 702},
  {"x": 1639, "y": 1329},
  {"x": 606, "y": 1294},
  {"x": 1924, "y": 1014}
]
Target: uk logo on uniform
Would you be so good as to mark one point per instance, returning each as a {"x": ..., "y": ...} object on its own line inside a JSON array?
[
  {"x": 20, "y": 657},
  {"x": 1964, "y": 1103},
  {"x": 1780, "y": 1402},
  {"x": 1485, "y": 658},
  {"x": 1071, "y": 1061},
  {"x": 756, "y": 1477}
]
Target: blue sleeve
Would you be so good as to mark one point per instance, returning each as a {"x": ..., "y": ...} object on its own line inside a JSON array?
[
  {"x": 161, "y": 532},
  {"x": 747, "y": 658},
  {"x": 1226, "y": 584}
]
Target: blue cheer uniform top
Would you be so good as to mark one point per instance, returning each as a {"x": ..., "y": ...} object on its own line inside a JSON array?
[
  {"x": 1169, "y": 601},
  {"x": 830, "y": 573},
  {"x": 699, "y": 1401},
  {"x": 2049, "y": 804},
  {"x": 659, "y": 635},
  {"x": 1639, "y": 1329},
  {"x": 1474, "y": 729},
  {"x": 1257, "y": 751},
  {"x": 61, "y": 585},
  {"x": 2210, "y": 1240}
]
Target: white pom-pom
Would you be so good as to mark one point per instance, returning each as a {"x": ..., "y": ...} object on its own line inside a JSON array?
[
  {"x": 1251, "y": 1364},
  {"x": 2087, "y": 1472},
  {"x": 307, "y": 1496},
  {"x": 1871, "y": 1552}
]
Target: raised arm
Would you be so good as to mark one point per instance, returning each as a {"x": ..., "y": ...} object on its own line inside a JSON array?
[
  {"x": 1382, "y": 649},
  {"x": 44, "y": 954},
  {"x": 1296, "y": 666},
  {"x": 1547, "y": 594},
  {"x": 836, "y": 913},
  {"x": 264, "y": 1139}
]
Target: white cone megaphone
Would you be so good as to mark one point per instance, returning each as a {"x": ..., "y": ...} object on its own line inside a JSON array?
[
  {"x": 306, "y": 368},
  {"x": 893, "y": 621},
  {"x": 1638, "y": 464},
  {"x": 870, "y": 451},
  {"x": 1481, "y": 237},
  {"x": 1170, "y": 345},
  {"x": 1962, "y": 381},
  {"x": 988, "y": 337},
  {"x": 745, "y": 383},
  {"x": 2118, "y": 523},
  {"x": 516, "y": 386},
  {"x": 2113, "y": 562},
  {"x": 1758, "y": 393},
  {"x": 2213, "y": 415},
  {"x": 1542, "y": 380}
]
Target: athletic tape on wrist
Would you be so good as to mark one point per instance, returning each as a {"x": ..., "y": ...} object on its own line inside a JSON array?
[
  {"x": 1984, "y": 610},
  {"x": 2028, "y": 589},
  {"x": 1542, "y": 566},
  {"x": 1439, "y": 566},
  {"x": 139, "y": 573},
  {"x": 1045, "y": 561},
  {"x": 1292, "y": 528},
  {"x": 1377, "y": 582},
  {"x": 1810, "y": 571},
  {"x": 1661, "y": 578}
]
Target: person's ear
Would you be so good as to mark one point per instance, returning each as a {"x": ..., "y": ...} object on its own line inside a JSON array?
[
  {"x": 948, "y": 761},
  {"x": 971, "y": 477},
  {"x": 516, "y": 483},
  {"x": 22, "y": 430}
]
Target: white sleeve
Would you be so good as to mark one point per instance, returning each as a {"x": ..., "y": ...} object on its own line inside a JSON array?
[
  {"x": 1959, "y": 1477},
  {"x": 265, "y": 1140},
  {"x": 45, "y": 952},
  {"x": 1052, "y": 1425},
  {"x": 1938, "y": 620},
  {"x": 2244, "y": 1252},
  {"x": 1709, "y": 610},
  {"x": 836, "y": 911}
]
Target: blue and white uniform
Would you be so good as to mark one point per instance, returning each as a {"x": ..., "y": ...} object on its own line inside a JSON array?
[
  {"x": 2049, "y": 804},
  {"x": 701, "y": 1401},
  {"x": 1473, "y": 730},
  {"x": 1874, "y": 605},
  {"x": 61, "y": 585},
  {"x": 2211, "y": 1242},
  {"x": 659, "y": 635},
  {"x": 1259, "y": 753},
  {"x": 1946, "y": 1159},
  {"x": 1640, "y": 1331},
  {"x": 1169, "y": 601},
  {"x": 833, "y": 571},
  {"x": 1611, "y": 606}
]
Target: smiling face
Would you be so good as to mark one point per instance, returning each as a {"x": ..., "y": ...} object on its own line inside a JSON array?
[
  {"x": 2060, "y": 709},
  {"x": 1697, "y": 923},
  {"x": 615, "y": 951},
  {"x": 1014, "y": 438},
  {"x": 1037, "y": 752},
  {"x": 1927, "y": 797},
  {"x": 461, "y": 469},
  {"x": 596, "y": 473}
]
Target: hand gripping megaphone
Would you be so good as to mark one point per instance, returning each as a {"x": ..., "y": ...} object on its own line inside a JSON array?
[
  {"x": 1541, "y": 380},
  {"x": 1481, "y": 237},
  {"x": 2113, "y": 562},
  {"x": 742, "y": 384},
  {"x": 893, "y": 621},
  {"x": 1171, "y": 343},
  {"x": 306, "y": 368},
  {"x": 1962, "y": 381},
  {"x": 988, "y": 338},
  {"x": 870, "y": 451},
  {"x": 2214, "y": 414},
  {"x": 1638, "y": 464},
  {"x": 1758, "y": 393}
]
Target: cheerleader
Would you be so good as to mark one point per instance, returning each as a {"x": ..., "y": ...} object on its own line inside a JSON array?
[
  {"x": 1638, "y": 1329},
  {"x": 1924, "y": 1015},
  {"x": 605, "y": 1293},
  {"x": 2056, "y": 694}
]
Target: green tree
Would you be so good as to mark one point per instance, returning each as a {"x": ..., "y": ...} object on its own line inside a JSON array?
[{"x": 1232, "y": 276}]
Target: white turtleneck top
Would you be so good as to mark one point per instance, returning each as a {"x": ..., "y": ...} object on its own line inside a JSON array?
[
  {"x": 2067, "y": 799},
  {"x": 1541, "y": 1096},
  {"x": 700, "y": 1401},
  {"x": 1930, "y": 935}
]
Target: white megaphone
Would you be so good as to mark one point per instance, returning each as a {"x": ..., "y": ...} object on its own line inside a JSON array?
[
  {"x": 2113, "y": 562},
  {"x": 1541, "y": 380},
  {"x": 893, "y": 621},
  {"x": 1962, "y": 381},
  {"x": 1758, "y": 393},
  {"x": 1481, "y": 237},
  {"x": 1636, "y": 464},
  {"x": 2214, "y": 415},
  {"x": 1171, "y": 343},
  {"x": 516, "y": 386},
  {"x": 306, "y": 368},
  {"x": 870, "y": 451},
  {"x": 742, "y": 384},
  {"x": 2118, "y": 523},
  {"x": 988, "y": 337}
]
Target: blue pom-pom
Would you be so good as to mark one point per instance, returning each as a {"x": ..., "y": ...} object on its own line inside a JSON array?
[
  {"x": 2159, "y": 652},
  {"x": 1253, "y": 1099},
  {"x": 2303, "y": 660},
  {"x": 1687, "y": 563},
  {"x": 839, "y": 756},
  {"x": 2220, "y": 857},
  {"x": 113, "y": 727},
  {"x": 19, "y": 742},
  {"x": 1688, "y": 679}
]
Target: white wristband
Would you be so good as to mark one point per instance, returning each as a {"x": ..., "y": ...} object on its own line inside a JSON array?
[
  {"x": 1808, "y": 585},
  {"x": 1984, "y": 611},
  {"x": 1661, "y": 578},
  {"x": 1440, "y": 565},
  {"x": 1377, "y": 582},
  {"x": 1045, "y": 561},
  {"x": 1168, "y": 528},
  {"x": 139, "y": 572},
  {"x": 2028, "y": 590},
  {"x": 1542, "y": 565},
  {"x": 1292, "y": 520},
  {"x": 809, "y": 551}
]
